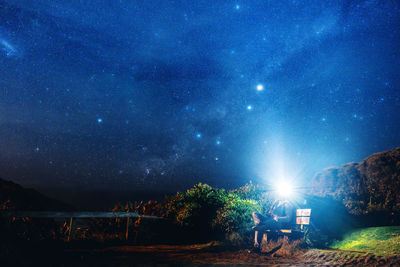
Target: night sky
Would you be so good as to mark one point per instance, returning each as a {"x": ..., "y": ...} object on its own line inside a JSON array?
[{"x": 159, "y": 95}]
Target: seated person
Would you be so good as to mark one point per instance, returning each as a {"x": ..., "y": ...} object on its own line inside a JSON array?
[{"x": 279, "y": 214}]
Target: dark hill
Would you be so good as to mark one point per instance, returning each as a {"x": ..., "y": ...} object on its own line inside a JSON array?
[
  {"x": 371, "y": 187},
  {"x": 15, "y": 197}
]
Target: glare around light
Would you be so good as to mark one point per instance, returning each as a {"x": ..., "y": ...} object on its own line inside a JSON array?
[
  {"x": 260, "y": 87},
  {"x": 284, "y": 189}
]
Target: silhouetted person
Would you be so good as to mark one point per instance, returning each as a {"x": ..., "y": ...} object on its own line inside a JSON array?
[{"x": 279, "y": 215}]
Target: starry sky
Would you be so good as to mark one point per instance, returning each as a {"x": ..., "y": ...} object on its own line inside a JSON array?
[{"x": 159, "y": 95}]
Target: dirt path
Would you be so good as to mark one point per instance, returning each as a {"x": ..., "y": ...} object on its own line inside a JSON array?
[
  {"x": 350, "y": 258},
  {"x": 164, "y": 255},
  {"x": 186, "y": 255},
  {"x": 201, "y": 255}
]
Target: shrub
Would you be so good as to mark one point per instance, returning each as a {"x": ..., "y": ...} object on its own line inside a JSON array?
[
  {"x": 236, "y": 215},
  {"x": 196, "y": 208},
  {"x": 212, "y": 213},
  {"x": 258, "y": 193}
]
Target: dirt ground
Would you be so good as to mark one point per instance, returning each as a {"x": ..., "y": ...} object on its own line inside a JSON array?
[
  {"x": 166, "y": 255},
  {"x": 193, "y": 255}
]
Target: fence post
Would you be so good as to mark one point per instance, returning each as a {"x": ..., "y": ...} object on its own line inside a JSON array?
[
  {"x": 70, "y": 229},
  {"x": 127, "y": 228}
]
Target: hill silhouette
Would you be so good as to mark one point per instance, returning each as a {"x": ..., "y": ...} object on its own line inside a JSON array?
[
  {"x": 369, "y": 188},
  {"x": 15, "y": 197}
]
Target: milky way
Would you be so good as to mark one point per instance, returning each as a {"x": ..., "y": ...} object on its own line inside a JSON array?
[{"x": 164, "y": 94}]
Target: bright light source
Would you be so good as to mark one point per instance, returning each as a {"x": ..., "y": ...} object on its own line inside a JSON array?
[
  {"x": 260, "y": 87},
  {"x": 284, "y": 189}
]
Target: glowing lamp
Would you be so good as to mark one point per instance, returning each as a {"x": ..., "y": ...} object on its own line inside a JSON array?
[{"x": 284, "y": 189}]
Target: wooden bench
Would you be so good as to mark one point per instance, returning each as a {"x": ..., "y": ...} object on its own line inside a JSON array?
[{"x": 303, "y": 217}]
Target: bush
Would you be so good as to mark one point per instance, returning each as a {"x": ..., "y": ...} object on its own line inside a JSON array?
[
  {"x": 236, "y": 215},
  {"x": 196, "y": 208},
  {"x": 213, "y": 213},
  {"x": 258, "y": 193}
]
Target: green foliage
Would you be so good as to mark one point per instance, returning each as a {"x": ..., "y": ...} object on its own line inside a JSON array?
[
  {"x": 211, "y": 210},
  {"x": 258, "y": 193},
  {"x": 250, "y": 191},
  {"x": 383, "y": 241},
  {"x": 197, "y": 207},
  {"x": 236, "y": 214}
]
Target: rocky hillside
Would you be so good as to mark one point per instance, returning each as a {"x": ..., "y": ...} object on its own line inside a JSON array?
[
  {"x": 15, "y": 197},
  {"x": 369, "y": 187}
]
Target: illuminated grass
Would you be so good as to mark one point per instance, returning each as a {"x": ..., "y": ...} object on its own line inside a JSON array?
[{"x": 382, "y": 241}]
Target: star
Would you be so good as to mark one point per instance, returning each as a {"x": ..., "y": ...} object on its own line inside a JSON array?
[
  {"x": 198, "y": 135},
  {"x": 99, "y": 120},
  {"x": 260, "y": 87},
  {"x": 249, "y": 107},
  {"x": 218, "y": 142},
  {"x": 237, "y": 7}
]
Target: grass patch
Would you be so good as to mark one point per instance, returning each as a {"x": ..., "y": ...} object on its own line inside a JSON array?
[{"x": 382, "y": 241}]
